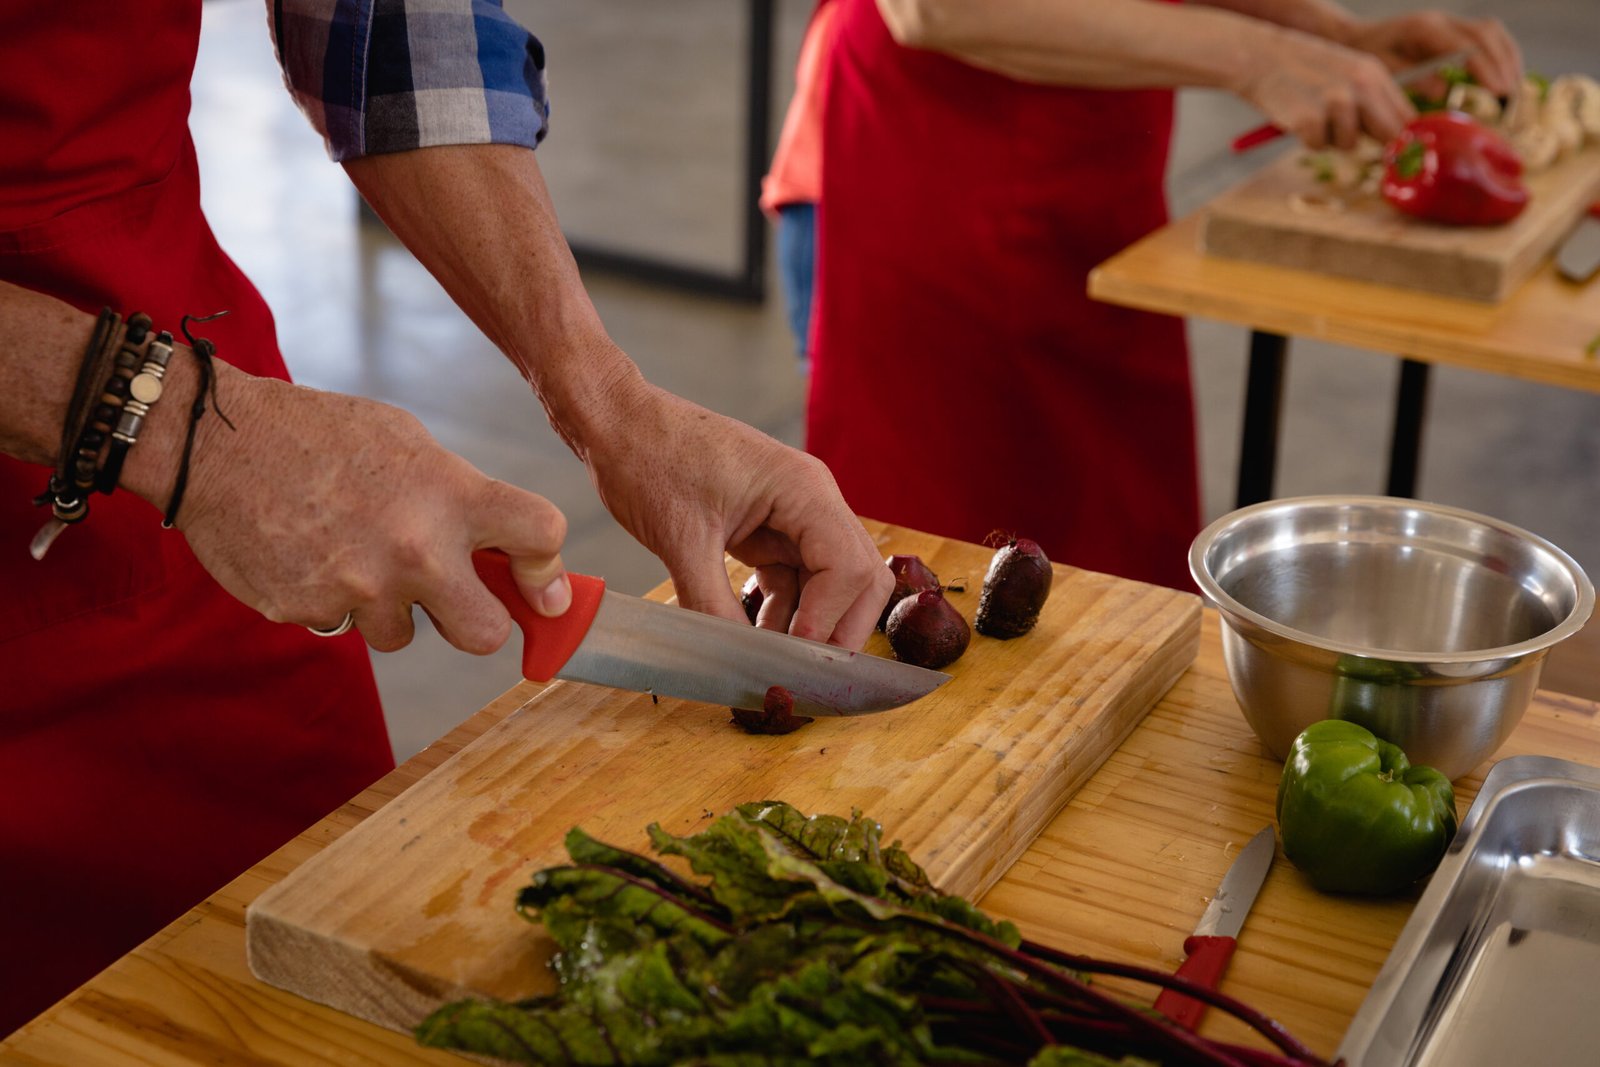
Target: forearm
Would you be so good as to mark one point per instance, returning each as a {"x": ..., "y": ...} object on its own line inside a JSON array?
[
  {"x": 480, "y": 219},
  {"x": 42, "y": 341},
  {"x": 1322, "y": 18},
  {"x": 1109, "y": 44}
]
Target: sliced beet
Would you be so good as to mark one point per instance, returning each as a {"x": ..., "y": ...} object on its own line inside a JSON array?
[
  {"x": 1014, "y": 590},
  {"x": 775, "y": 717},
  {"x": 926, "y": 630},
  {"x": 911, "y": 575}
]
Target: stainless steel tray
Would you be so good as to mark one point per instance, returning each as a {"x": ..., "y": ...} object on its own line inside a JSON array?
[{"x": 1499, "y": 962}]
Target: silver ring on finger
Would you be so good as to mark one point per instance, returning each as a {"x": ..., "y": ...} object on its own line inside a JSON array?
[{"x": 345, "y": 623}]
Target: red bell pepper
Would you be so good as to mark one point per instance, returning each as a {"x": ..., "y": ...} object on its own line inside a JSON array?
[{"x": 1448, "y": 167}]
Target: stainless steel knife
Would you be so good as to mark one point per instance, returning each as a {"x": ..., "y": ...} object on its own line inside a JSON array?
[
  {"x": 1578, "y": 258},
  {"x": 1211, "y": 946},
  {"x": 1403, "y": 78},
  {"x": 608, "y": 638}
]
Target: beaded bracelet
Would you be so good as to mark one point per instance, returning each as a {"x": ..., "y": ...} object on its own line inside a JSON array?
[
  {"x": 143, "y": 390},
  {"x": 104, "y": 423}
]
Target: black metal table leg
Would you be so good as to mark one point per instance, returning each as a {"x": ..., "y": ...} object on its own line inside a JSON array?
[
  {"x": 1405, "y": 444},
  {"x": 1263, "y": 401}
]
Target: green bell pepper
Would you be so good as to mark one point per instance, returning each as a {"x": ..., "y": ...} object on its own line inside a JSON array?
[{"x": 1355, "y": 816}]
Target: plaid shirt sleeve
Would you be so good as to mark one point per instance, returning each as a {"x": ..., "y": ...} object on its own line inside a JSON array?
[{"x": 377, "y": 76}]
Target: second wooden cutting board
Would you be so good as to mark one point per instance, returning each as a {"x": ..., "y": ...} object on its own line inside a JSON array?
[
  {"x": 414, "y": 907},
  {"x": 1267, "y": 218}
]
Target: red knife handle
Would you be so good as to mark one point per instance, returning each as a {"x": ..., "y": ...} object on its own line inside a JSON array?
[
  {"x": 547, "y": 643},
  {"x": 1207, "y": 958},
  {"x": 1258, "y": 136}
]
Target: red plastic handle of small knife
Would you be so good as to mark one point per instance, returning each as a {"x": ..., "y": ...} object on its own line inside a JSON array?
[
  {"x": 1207, "y": 958},
  {"x": 547, "y": 643},
  {"x": 1258, "y": 136}
]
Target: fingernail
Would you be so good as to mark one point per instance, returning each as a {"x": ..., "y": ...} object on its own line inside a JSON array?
[{"x": 554, "y": 599}]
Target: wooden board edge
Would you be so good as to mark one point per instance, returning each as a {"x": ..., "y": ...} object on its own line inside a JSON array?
[
  {"x": 1445, "y": 273},
  {"x": 1167, "y": 662},
  {"x": 343, "y": 979},
  {"x": 451, "y": 749}
]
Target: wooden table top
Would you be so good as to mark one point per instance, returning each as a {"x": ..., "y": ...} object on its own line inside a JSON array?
[
  {"x": 1124, "y": 872},
  {"x": 1540, "y": 333}
]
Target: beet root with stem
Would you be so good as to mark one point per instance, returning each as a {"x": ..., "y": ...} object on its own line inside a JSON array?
[
  {"x": 911, "y": 575},
  {"x": 1014, "y": 590},
  {"x": 927, "y": 631}
]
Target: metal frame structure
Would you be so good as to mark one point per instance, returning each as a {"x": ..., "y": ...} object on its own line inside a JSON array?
[{"x": 748, "y": 282}]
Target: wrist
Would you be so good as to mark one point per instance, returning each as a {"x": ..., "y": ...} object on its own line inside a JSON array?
[
  {"x": 588, "y": 389},
  {"x": 153, "y": 464},
  {"x": 1336, "y": 24},
  {"x": 1263, "y": 45}
]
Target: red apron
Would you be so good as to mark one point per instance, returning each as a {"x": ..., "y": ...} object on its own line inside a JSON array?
[
  {"x": 962, "y": 380},
  {"x": 156, "y": 736}
]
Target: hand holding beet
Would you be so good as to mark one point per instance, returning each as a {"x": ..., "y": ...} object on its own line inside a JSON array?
[{"x": 924, "y": 629}]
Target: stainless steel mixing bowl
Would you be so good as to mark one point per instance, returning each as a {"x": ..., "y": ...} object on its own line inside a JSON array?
[{"x": 1428, "y": 625}]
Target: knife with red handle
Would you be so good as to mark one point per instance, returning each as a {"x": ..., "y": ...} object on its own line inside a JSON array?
[
  {"x": 1410, "y": 76},
  {"x": 608, "y": 638},
  {"x": 1211, "y": 946}
]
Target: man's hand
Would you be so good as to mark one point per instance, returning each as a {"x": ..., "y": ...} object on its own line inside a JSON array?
[
  {"x": 1407, "y": 40},
  {"x": 322, "y": 503},
  {"x": 691, "y": 485}
]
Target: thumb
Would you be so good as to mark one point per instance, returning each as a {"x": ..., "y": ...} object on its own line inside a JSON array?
[{"x": 530, "y": 530}]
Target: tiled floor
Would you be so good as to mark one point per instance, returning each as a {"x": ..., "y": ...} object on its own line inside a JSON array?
[{"x": 644, "y": 154}]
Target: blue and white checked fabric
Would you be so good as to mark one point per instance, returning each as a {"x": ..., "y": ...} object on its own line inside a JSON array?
[{"x": 377, "y": 76}]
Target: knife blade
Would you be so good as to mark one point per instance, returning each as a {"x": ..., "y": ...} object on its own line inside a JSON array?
[
  {"x": 1405, "y": 78},
  {"x": 608, "y": 638},
  {"x": 1578, "y": 258},
  {"x": 1208, "y": 950}
]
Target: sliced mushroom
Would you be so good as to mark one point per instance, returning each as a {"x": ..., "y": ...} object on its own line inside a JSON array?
[
  {"x": 1581, "y": 94},
  {"x": 1476, "y": 101},
  {"x": 1523, "y": 111},
  {"x": 1538, "y": 146}
]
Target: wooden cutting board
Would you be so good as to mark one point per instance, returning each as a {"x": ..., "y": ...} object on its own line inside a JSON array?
[
  {"x": 414, "y": 907},
  {"x": 1361, "y": 236}
]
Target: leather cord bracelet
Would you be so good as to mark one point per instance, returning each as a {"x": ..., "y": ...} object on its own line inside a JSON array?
[
  {"x": 120, "y": 379},
  {"x": 92, "y": 409},
  {"x": 204, "y": 351}
]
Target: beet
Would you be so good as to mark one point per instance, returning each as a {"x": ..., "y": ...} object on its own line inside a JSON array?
[
  {"x": 911, "y": 575},
  {"x": 775, "y": 717},
  {"x": 751, "y": 597},
  {"x": 1016, "y": 587},
  {"x": 925, "y": 630}
]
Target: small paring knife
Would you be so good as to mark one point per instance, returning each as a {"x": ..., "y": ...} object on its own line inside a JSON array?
[
  {"x": 608, "y": 638},
  {"x": 1578, "y": 258},
  {"x": 1408, "y": 77},
  {"x": 1211, "y": 946}
]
